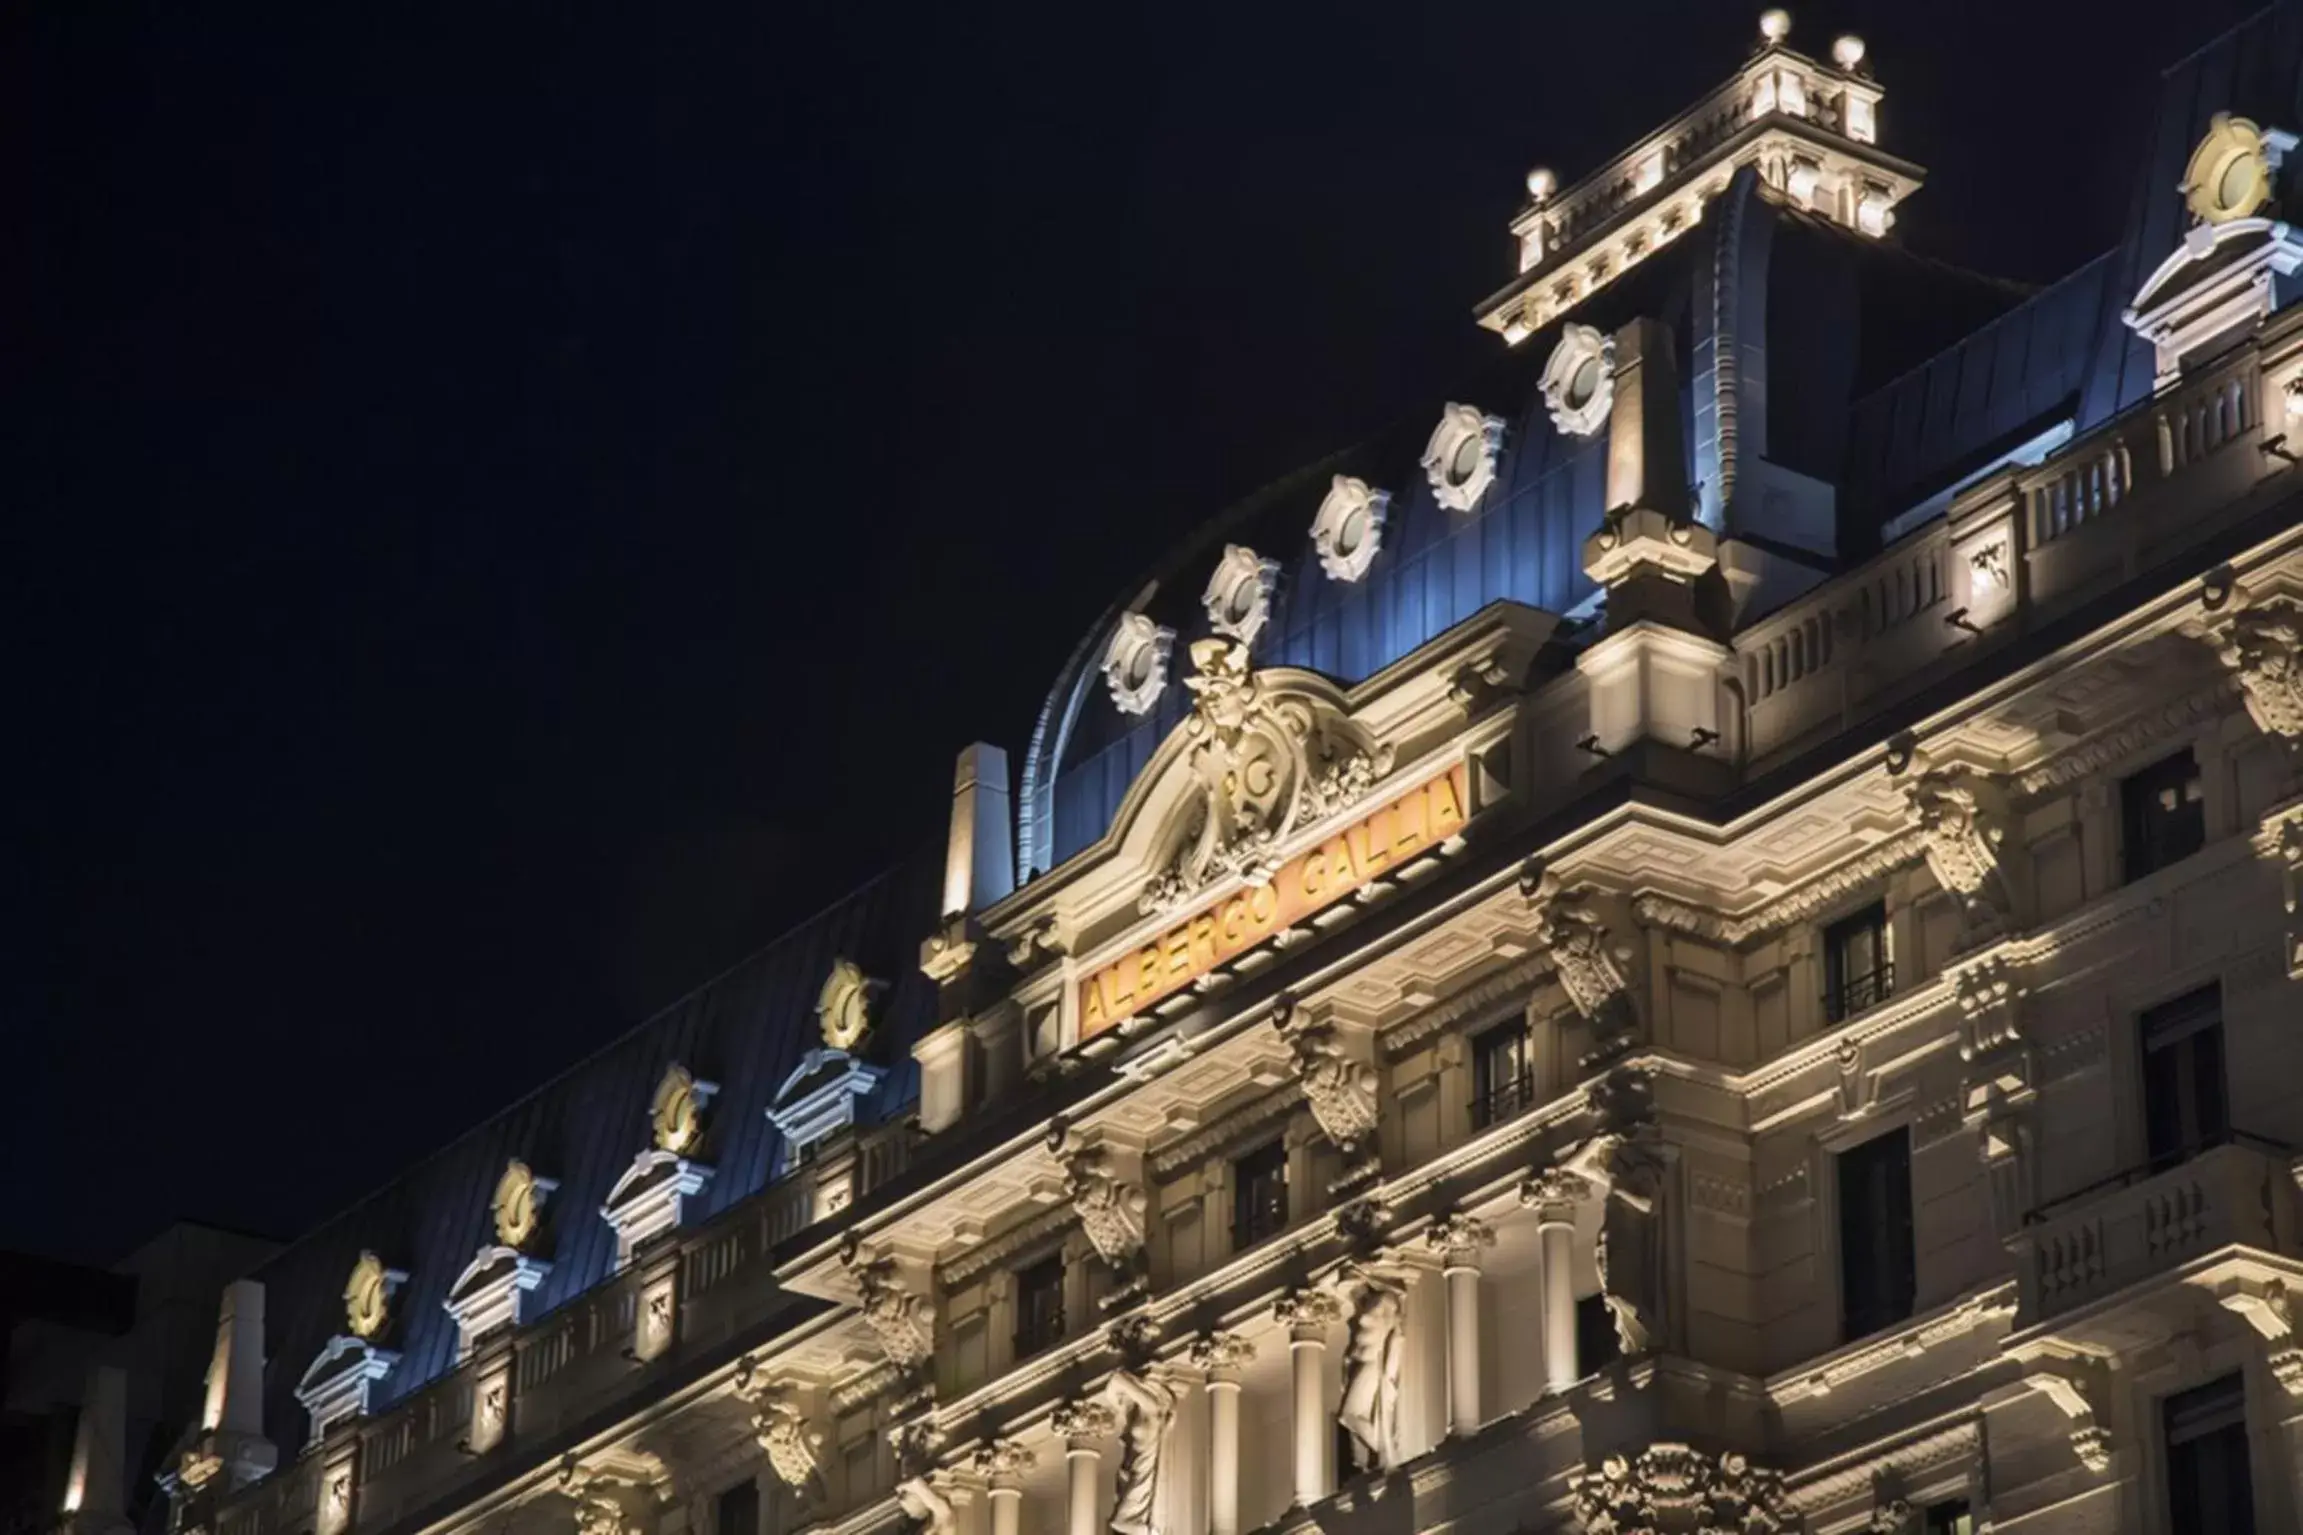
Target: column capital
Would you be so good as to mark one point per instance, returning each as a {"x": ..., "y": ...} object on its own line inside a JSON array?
[
  {"x": 1553, "y": 1194},
  {"x": 1222, "y": 1355},
  {"x": 1457, "y": 1238},
  {"x": 1083, "y": 1422},
  {"x": 1308, "y": 1313}
]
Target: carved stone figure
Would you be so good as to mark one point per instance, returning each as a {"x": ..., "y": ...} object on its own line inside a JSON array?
[
  {"x": 1591, "y": 965},
  {"x": 1340, "y": 1090},
  {"x": 1110, "y": 1208},
  {"x": 605, "y": 1505},
  {"x": 1263, "y": 762},
  {"x": 1369, "y": 1411},
  {"x": 1146, "y": 1408},
  {"x": 926, "y": 1506},
  {"x": 2260, "y": 647},
  {"x": 919, "y": 1490},
  {"x": 1962, "y": 839},
  {"x": 1676, "y": 1487},
  {"x": 901, "y": 1321},
  {"x": 1628, "y": 1251}
]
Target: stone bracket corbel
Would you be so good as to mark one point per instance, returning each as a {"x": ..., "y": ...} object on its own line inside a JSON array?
[
  {"x": 2080, "y": 1388},
  {"x": 2266, "y": 1306}
]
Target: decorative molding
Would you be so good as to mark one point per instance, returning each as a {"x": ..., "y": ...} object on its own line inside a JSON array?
[
  {"x": 844, "y": 1006},
  {"x": 2130, "y": 738},
  {"x": 1341, "y": 1089},
  {"x": 1522, "y": 975},
  {"x": 335, "y": 1387},
  {"x": 1084, "y": 1420},
  {"x": 1579, "y": 380},
  {"x": 2267, "y": 1307},
  {"x": 1458, "y": 1238},
  {"x": 368, "y": 1296},
  {"x": 491, "y": 1293},
  {"x": 1308, "y": 1312},
  {"x": 1677, "y": 1487},
  {"x": 651, "y": 1198},
  {"x": 903, "y": 1323},
  {"x": 1135, "y": 664},
  {"x": 786, "y": 1436},
  {"x": 2080, "y": 1387},
  {"x": 676, "y": 1113},
  {"x": 1460, "y": 460},
  {"x": 1979, "y": 1309},
  {"x": 1801, "y": 903},
  {"x": 1716, "y": 1195},
  {"x": 1266, "y": 759},
  {"x": 2263, "y": 646},
  {"x": 1111, "y": 1208},
  {"x": 518, "y": 1206},
  {"x": 1815, "y": 1491},
  {"x": 1962, "y": 825},
  {"x": 1348, "y": 531},
  {"x": 1239, "y": 594},
  {"x": 1222, "y": 1355},
  {"x": 1222, "y": 1134}
]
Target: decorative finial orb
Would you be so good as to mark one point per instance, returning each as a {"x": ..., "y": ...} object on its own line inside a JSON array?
[
  {"x": 1775, "y": 25},
  {"x": 1541, "y": 183},
  {"x": 1847, "y": 51}
]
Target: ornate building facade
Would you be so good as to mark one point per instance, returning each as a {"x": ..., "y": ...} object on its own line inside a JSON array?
[{"x": 1700, "y": 939}]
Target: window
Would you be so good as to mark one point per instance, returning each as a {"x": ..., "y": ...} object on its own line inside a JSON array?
[
  {"x": 2184, "y": 1106},
  {"x": 738, "y": 1511},
  {"x": 1876, "y": 1279},
  {"x": 1947, "y": 1518},
  {"x": 2161, "y": 815},
  {"x": 1856, "y": 971},
  {"x": 1596, "y": 1345},
  {"x": 1039, "y": 1307},
  {"x": 1259, "y": 1196},
  {"x": 1501, "y": 1083},
  {"x": 2208, "y": 1491}
]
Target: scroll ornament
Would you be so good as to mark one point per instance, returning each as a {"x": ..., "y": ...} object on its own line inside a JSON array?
[
  {"x": 1341, "y": 1090},
  {"x": 1110, "y": 1208}
]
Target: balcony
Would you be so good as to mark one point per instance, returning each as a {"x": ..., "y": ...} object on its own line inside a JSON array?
[
  {"x": 1504, "y": 1098},
  {"x": 2147, "y": 1221},
  {"x": 1860, "y": 993}
]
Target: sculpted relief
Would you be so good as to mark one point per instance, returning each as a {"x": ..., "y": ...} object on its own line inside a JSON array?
[
  {"x": 1263, "y": 761},
  {"x": 1369, "y": 1411},
  {"x": 1145, "y": 1408},
  {"x": 903, "y": 1322},
  {"x": 1592, "y": 966},
  {"x": 1110, "y": 1207},
  {"x": 1340, "y": 1088}
]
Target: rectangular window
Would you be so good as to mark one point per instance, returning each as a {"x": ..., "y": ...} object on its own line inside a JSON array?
[
  {"x": 2185, "y": 1107},
  {"x": 1948, "y": 1518},
  {"x": 1259, "y": 1196},
  {"x": 738, "y": 1512},
  {"x": 2208, "y": 1487},
  {"x": 1039, "y": 1307},
  {"x": 1856, "y": 970},
  {"x": 1876, "y": 1278},
  {"x": 2163, "y": 817},
  {"x": 1596, "y": 1345},
  {"x": 1501, "y": 1082}
]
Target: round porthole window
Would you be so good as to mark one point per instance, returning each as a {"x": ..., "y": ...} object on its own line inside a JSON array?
[
  {"x": 1579, "y": 380},
  {"x": 2230, "y": 173},
  {"x": 1460, "y": 459},
  {"x": 1238, "y": 595},
  {"x": 1135, "y": 663},
  {"x": 1348, "y": 531}
]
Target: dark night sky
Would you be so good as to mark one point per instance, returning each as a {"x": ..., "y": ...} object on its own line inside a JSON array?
[{"x": 509, "y": 504}]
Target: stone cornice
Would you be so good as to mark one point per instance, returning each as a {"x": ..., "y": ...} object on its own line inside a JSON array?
[
  {"x": 970, "y": 1265},
  {"x": 1819, "y": 1487},
  {"x": 1222, "y": 1132},
  {"x": 1795, "y": 905},
  {"x": 1523, "y": 976},
  {"x": 1820, "y": 1377},
  {"x": 2136, "y": 734}
]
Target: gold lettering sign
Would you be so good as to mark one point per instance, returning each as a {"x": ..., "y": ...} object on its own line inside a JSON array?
[{"x": 1382, "y": 841}]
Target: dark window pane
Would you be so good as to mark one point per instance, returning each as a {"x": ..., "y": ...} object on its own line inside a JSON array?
[
  {"x": 2209, "y": 1488},
  {"x": 2185, "y": 1103},
  {"x": 1948, "y": 1518},
  {"x": 1877, "y": 1282},
  {"x": 1856, "y": 971},
  {"x": 1259, "y": 1196},
  {"x": 1039, "y": 1307},
  {"x": 2163, "y": 815},
  {"x": 1501, "y": 1084},
  {"x": 1596, "y": 1345},
  {"x": 739, "y": 1510}
]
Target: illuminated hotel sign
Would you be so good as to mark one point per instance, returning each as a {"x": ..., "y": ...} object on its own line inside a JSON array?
[{"x": 1380, "y": 842}]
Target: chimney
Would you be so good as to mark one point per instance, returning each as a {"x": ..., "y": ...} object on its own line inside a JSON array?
[
  {"x": 979, "y": 861},
  {"x": 96, "y": 1496},
  {"x": 232, "y": 1423}
]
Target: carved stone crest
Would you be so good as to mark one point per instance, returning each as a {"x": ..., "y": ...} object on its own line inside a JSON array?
[
  {"x": 1673, "y": 1487},
  {"x": 2261, "y": 647},
  {"x": 1110, "y": 1207},
  {"x": 1264, "y": 761},
  {"x": 1962, "y": 829},
  {"x": 786, "y": 1437},
  {"x": 903, "y": 1322},
  {"x": 1591, "y": 964},
  {"x": 1340, "y": 1089}
]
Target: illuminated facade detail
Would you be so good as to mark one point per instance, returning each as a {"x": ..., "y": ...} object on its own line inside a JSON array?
[
  {"x": 1239, "y": 593},
  {"x": 1602, "y": 1025},
  {"x": 368, "y": 1296},
  {"x": 519, "y": 1203},
  {"x": 1460, "y": 460},
  {"x": 1579, "y": 380},
  {"x": 844, "y": 1007},
  {"x": 1136, "y": 663},
  {"x": 2234, "y": 171},
  {"x": 1348, "y": 532}
]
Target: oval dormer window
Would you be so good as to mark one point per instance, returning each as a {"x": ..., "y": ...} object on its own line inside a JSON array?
[
  {"x": 1135, "y": 663},
  {"x": 1461, "y": 457},
  {"x": 1348, "y": 531},
  {"x": 1238, "y": 595},
  {"x": 1579, "y": 380},
  {"x": 2230, "y": 173}
]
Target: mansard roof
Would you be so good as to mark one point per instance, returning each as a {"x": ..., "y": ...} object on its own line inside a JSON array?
[{"x": 748, "y": 1031}]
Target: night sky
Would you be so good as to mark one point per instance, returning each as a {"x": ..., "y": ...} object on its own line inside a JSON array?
[{"x": 507, "y": 505}]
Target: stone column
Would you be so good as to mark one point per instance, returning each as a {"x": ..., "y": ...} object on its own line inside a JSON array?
[
  {"x": 1221, "y": 1356},
  {"x": 1308, "y": 1315},
  {"x": 1002, "y": 1464},
  {"x": 1458, "y": 1239},
  {"x": 1553, "y": 1194},
  {"x": 1082, "y": 1425}
]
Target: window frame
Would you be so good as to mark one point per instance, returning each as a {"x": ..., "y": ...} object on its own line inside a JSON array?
[
  {"x": 1027, "y": 1340},
  {"x": 1836, "y": 1214},
  {"x": 2233, "y": 1384},
  {"x": 2144, "y": 849},
  {"x": 1247, "y": 1232},
  {"x": 1846, "y": 996},
  {"x": 1506, "y": 1034},
  {"x": 2183, "y": 1020}
]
